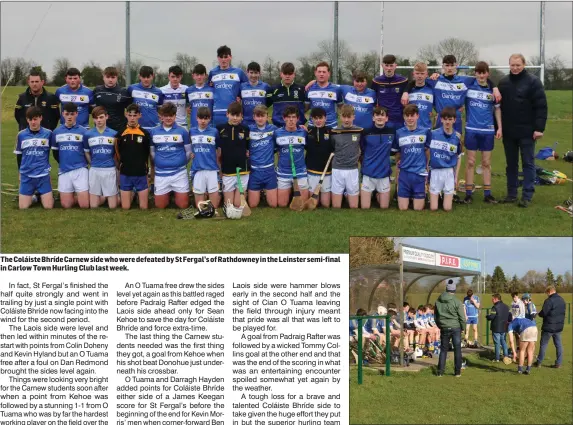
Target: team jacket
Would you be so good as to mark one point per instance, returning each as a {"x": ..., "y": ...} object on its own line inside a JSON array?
[
  {"x": 388, "y": 94},
  {"x": 132, "y": 150},
  {"x": 114, "y": 100},
  {"x": 318, "y": 149},
  {"x": 45, "y": 101},
  {"x": 233, "y": 140},
  {"x": 281, "y": 96}
]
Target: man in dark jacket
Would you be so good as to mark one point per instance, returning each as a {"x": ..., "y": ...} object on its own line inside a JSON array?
[
  {"x": 451, "y": 319},
  {"x": 553, "y": 313},
  {"x": 113, "y": 98},
  {"x": 499, "y": 317},
  {"x": 523, "y": 117},
  {"x": 36, "y": 95}
]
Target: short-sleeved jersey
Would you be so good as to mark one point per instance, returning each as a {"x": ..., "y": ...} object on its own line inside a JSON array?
[
  {"x": 253, "y": 96},
  {"x": 420, "y": 320},
  {"x": 69, "y": 142},
  {"x": 148, "y": 99},
  {"x": 34, "y": 146},
  {"x": 519, "y": 325},
  {"x": 101, "y": 147},
  {"x": 471, "y": 310},
  {"x": 226, "y": 84},
  {"x": 530, "y": 311},
  {"x": 480, "y": 104},
  {"x": 431, "y": 319},
  {"x": 132, "y": 150},
  {"x": 412, "y": 145},
  {"x": 376, "y": 155},
  {"x": 347, "y": 143},
  {"x": 363, "y": 104},
  {"x": 445, "y": 149},
  {"x": 281, "y": 96},
  {"x": 198, "y": 97},
  {"x": 381, "y": 325},
  {"x": 204, "y": 148},
  {"x": 169, "y": 145},
  {"x": 283, "y": 138},
  {"x": 326, "y": 98},
  {"x": 233, "y": 140},
  {"x": 518, "y": 309},
  {"x": 262, "y": 147},
  {"x": 83, "y": 98},
  {"x": 409, "y": 321},
  {"x": 367, "y": 326},
  {"x": 389, "y": 93},
  {"x": 177, "y": 97},
  {"x": 423, "y": 98},
  {"x": 450, "y": 91}
]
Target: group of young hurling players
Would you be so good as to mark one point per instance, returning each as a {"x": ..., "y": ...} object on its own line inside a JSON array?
[{"x": 230, "y": 137}]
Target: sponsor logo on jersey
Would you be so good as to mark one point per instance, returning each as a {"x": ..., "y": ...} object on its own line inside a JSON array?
[
  {"x": 354, "y": 138},
  {"x": 139, "y": 139}
]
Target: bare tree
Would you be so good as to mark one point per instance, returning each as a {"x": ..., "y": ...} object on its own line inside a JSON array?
[
  {"x": 464, "y": 51},
  {"x": 187, "y": 63},
  {"x": 271, "y": 70},
  {"x": 61, "y": 66},
  {"x": 6, "y": 70}
]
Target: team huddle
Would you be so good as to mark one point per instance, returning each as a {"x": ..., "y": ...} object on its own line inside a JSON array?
[{"x": 141, "y": 140}]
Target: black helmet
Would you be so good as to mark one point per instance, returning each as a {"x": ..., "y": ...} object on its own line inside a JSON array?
[{"x": 205, "y": 210}]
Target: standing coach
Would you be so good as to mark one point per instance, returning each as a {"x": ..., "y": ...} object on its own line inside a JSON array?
[
  {"x": 523, "y": 117},
  {"x": 36, "y": 95}
]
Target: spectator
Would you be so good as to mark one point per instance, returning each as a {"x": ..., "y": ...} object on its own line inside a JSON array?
[
  {"x": 499, "y": 318},
  {"x": 553, "y": 314},
  {"x": 451, "y": 319},
  {"x": 523, "y": 117}
]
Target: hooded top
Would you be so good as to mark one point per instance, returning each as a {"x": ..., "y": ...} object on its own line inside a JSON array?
[{"x": 449, "y": 312}]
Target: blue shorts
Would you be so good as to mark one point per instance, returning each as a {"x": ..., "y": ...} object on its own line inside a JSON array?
[
  {"x": 411, "y": 185},
  {"x": 29, "y": 185},
  {"x": 219, "y": 118},
  {"x": 479, "y": 141},
  {"x": 128, "y": 183},
  {"x": 472, "y": 321},
  {"x": 263, "y": 178}
]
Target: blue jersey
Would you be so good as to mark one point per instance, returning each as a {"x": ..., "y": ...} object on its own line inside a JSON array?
[
  {"x": 367, "y": 326},
  {"x": 519, "y": 325},
  {"x": 445, "y": 149},
  {"x": 169, "y": 145},
  {"x": 148, "y": 99},
  {"x": 204, "y": 148},
  {"x": 420, "y": 320},
  {"x": 412, "y": 145},
  {"x": 297, "y": 139},
  {"x": 83, "y": 98},
  {"x": 253, "y": 96},
  {"x": 101, "y": 147},
  {"x": 376, "y": 154},
  {"x": 452, "y": 93},
  {"x": 227, "y": 86},
  {"x": 198, "y": 97},
  {"x": 409, "y": 321},
  {"x": 363, "y": 104},
  {"x": 423, "y": 98},
  {"x": 431, "y": 319},
  {"x": 471, "y": 310},
  {"x": 262, "y": 148},
  {"x": 530, "y": 311},
  {"x": 380, "y": 325},
  {"x": 352, "y": 327},
  {"x": 69, "y": 142},
  {"x": 480, "y": 104},
  {"x": 326, "y": 98},
  {"x": 34, "y": 146}
]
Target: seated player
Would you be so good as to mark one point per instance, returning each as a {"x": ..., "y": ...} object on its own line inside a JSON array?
[
  {"x": 380, "y": 328},
  {"x": 318, "y": 149},
  {"x": 204, "y": 169},
  {"x": 410, "y": 328},
  {"x": 527, "y": 331},
  {"x": 421, "y": 327},
  {"x": 433, "y": 329},
  {"x": 33, "y": 157}
]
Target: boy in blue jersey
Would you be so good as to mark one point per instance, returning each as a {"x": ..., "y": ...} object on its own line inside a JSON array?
[
  {"x": 445, "y": 149},
  {"x": 33, "y": 157},
  {"x": 174, "y": 92},
  {"x": 318, "y": 150},
  {"x": 433, "y": 330},
  {"x": 233, "y": 152},
  {"x": 68, "y": 149},
  {"x": 75, "y": 92},
  {"x": 286, "y": 94},
  {"x": 148, "y": 97},
  {"x": 170, "y": 151},
  {"x": 471, "y": 305},
  {"x": 226, "y": 82},
  {"x": 290, "y": 134},
  {"x": 422, "y": 95},
  {"x": 323, "y": 94},
  {"x": 421, "y": 327},
  {"x": 530, "y": 309},
  {"x": 348, "y": 143},
  {"x": 481, "y": 109},
  {"x": 376, "y": 169},
  {"x": 253, "y": 92},
  {"x": 527, "y": 331},
  {"x": 99, "y": 143},
  {"x": 410, "y": 327},
  {"x": 200, "y": 94},
  {"x": 361, "y": 98},
  {"x": 204, "y": 169},
  {"x": 412, "y": 148},
  {"x": 262, "y": 154}
]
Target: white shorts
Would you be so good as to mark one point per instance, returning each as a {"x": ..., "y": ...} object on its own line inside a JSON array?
[
  {"x": 528, "y": 335},
  {"x": 345, "y": 181},
  {"x": 313, "y": 180},
  {"x": 442, "y": 179},
  {"x": 103, "y": 181},
  {"x": 205, "y": 181},
  {"x": 74, "y": 181},
  {"x": 178, "y": 183},
  {"x": 230, "y": 183},
  {"x": 286, "y": 183},
  {"x": 369, "y": 184}
]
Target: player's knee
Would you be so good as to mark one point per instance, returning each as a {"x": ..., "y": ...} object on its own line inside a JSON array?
[
  {"x": 486, "y": 164},
  {"x": 470, "y": 162}
]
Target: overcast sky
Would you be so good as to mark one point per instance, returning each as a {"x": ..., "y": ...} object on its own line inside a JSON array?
[
  {"x": 514, "y": 255},
  {"x": 283, "y": 30}
]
